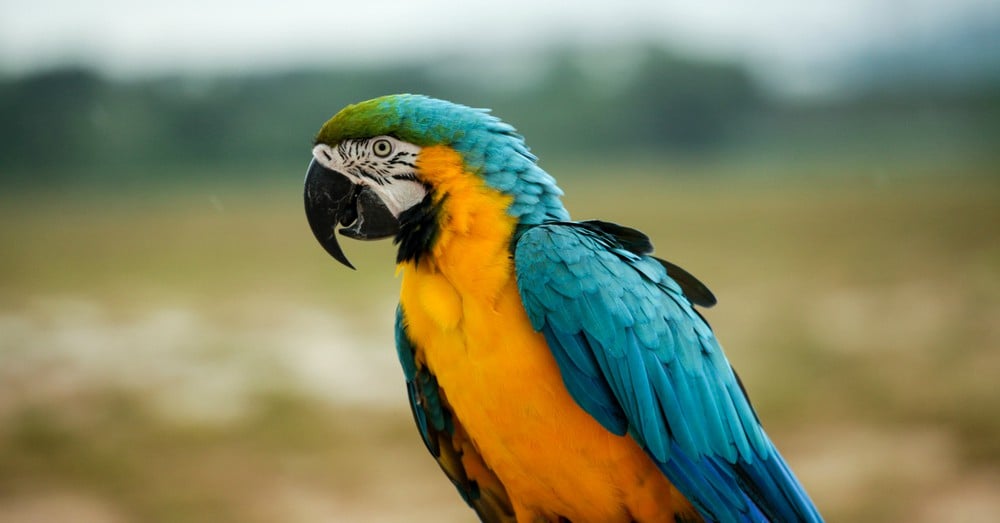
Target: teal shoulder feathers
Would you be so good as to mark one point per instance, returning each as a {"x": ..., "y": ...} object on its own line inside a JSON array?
[{"x": 635, "y": 354}]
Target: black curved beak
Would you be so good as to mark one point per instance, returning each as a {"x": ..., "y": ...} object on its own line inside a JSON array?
[{"x": 332, "y": 199}]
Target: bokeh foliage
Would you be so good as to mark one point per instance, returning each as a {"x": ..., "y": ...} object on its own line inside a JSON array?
[{"x": 73, "y": 124}]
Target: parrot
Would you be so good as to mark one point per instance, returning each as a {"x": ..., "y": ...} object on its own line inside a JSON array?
[{"x": 556, "y": 370}]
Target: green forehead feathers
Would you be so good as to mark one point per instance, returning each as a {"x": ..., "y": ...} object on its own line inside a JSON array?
[{"x": 416, "y": 119}]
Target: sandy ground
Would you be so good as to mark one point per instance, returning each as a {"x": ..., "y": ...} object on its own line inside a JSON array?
[{"x": 190, "y": 370}]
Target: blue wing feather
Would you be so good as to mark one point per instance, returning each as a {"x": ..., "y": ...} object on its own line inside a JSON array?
[{"x": 635, "y": 354}]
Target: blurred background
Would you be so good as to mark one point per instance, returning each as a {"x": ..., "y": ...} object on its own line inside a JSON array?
[{"x": 175, "y": 346}]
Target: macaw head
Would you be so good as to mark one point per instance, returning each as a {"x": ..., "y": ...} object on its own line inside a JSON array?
[{"x": 387, "y": 167}]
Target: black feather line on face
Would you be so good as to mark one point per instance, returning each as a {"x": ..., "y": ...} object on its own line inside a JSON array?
[
  {"x": 405, "y": 176},
  {"x": 355, "y": 155},
  {"x": 419, "y": 227},
  {"x": 363, "y": 173},
  {"x": 401, "y": 159}
]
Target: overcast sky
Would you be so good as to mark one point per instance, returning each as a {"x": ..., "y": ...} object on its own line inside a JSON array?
[{"x": 129, "y": 37}]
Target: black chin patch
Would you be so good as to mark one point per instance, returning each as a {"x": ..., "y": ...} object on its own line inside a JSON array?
[{"x": 419, "y": 227}]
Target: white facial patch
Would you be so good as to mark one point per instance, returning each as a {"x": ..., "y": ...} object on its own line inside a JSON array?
[{"x": 385, "y": 164}]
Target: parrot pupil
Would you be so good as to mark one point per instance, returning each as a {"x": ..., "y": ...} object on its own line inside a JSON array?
[{"x": 382, "y": 148}]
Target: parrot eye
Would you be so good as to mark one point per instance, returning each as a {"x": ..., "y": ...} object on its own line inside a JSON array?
[{"x": 382, "y": 148}]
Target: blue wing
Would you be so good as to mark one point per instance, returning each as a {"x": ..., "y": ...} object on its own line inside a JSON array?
[
  {"x": 445, "y": 437},
  {"x": 635, "y": 354}
]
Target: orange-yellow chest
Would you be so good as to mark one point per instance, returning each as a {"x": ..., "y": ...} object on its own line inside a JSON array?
[{"x": 465, "y": 317}]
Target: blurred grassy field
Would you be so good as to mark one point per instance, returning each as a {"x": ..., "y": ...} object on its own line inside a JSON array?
[{"x": 192, "y": 354}]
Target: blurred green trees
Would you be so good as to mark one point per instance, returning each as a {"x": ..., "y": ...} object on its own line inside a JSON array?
[{"x": 74, "y": 124}]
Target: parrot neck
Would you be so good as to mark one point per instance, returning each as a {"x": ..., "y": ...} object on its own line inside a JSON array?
[{"x": 470, "y": 249}]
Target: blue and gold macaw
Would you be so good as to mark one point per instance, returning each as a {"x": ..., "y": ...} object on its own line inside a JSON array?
[{"x": 556, "y": 370}]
